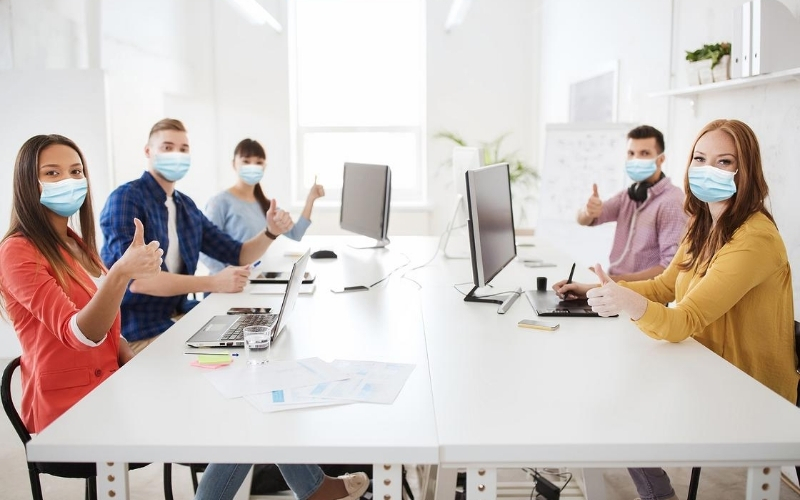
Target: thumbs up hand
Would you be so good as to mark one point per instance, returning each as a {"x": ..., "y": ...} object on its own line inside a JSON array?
[
  {"x": 140, "y": 260},
  {"x": 278, "y": 221},
  {"x": 610, "y": 299},
  {"x": 594, "y": 207}
]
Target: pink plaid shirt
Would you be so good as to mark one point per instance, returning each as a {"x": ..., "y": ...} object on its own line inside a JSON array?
[{"x": 648, "y": 233}]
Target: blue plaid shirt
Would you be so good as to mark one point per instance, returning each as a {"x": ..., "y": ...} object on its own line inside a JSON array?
[{"x": 145, "y": 316}]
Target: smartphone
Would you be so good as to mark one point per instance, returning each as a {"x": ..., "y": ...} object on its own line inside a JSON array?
[
  {"x": 357, "y": 288},
  {"x": 249, "y": 310},
  {"x": 539, "y": 325},
  {"x": 280, "y": 277}
]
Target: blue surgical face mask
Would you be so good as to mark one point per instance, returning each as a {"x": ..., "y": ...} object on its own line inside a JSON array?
[
  {"x": 251, "y": 174},
  {"x": 639, "y": 170},
  {"x": 711, "y": 184},
  {"x": 64, "y": 197},
  {"x": 173, "y": 166}
]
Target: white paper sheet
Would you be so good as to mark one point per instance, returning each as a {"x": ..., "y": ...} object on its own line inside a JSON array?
[
  {"x": 290, "y": 399},
  {"x": 242, "y": 380},
  {"x": 370, "y": 381}
]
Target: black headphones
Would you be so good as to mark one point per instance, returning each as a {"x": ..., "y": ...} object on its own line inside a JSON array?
[{"x": 638, "y": 190}]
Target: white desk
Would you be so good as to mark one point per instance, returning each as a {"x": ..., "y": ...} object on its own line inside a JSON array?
[
  {"x": 595, "y": 393},
  {"x": 158, "y": 408}
]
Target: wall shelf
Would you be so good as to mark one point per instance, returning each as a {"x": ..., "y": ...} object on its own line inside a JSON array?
[{"x": 736, "y": 83}]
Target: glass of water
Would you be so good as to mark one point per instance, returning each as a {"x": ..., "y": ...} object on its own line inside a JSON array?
[{"x": 256, "y": 344}]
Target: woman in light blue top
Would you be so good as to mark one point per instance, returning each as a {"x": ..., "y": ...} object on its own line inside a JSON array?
[{"x": 241, "y": 209}]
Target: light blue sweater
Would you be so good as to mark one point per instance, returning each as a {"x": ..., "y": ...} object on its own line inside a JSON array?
[{"x": 242, "y": 220}]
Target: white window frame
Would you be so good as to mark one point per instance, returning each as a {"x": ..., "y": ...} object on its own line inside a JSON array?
[{"x": 416, "y": 196}]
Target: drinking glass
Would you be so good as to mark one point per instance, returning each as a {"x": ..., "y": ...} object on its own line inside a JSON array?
[{"x": 257, "y": 342}]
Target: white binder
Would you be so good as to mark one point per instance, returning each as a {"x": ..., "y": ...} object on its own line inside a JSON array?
[
  {"x": 746, "y": 28},
  {"x": 775, "y": 38}
]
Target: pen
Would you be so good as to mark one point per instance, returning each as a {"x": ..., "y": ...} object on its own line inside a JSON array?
[
  {"x": 571, "y": 272},
  {"x": 315, "y": 179},
  {"x": 206, "y": 353},
  {"x": 255, "y": 264}
]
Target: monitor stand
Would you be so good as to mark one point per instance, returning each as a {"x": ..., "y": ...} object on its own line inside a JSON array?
[
  {"x": 504, "y": 304},
  {"x": 364, "y": 244},
  {"x": 451, "y": 227}
]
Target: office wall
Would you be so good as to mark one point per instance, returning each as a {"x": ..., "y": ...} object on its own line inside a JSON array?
[
  {"x": 159, "y": 61},
  {"x": 124, "y": 64},
  {"x": 650, "y": 50},
  {"x": 772, "y": 111},
  {"x": 632, "y": 36},
  {"x": 481, "y": 84}
]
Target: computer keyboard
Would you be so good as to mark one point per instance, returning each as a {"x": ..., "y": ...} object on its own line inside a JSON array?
[{"x": 236, "y": 332}]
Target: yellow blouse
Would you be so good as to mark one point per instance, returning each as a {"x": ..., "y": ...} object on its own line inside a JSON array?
[{"x": 742, "y": 309}]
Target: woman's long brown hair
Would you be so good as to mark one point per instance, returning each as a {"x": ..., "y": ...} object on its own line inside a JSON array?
[
  {"x": 29, "y": 218},
  {"x": 705, "y": 238},
  {"x": 247, "y": 148}
]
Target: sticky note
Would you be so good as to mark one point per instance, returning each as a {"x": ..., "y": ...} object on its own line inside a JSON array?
[
  {"x": 213, "y": 359},
  {"x": 209, "y": 367}
]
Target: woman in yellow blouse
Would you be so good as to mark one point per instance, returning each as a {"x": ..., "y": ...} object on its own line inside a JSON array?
[{"x": 730, "y": 279}]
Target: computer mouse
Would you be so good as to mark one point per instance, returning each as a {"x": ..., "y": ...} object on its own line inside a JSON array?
[{"x": 323, "y": 254}]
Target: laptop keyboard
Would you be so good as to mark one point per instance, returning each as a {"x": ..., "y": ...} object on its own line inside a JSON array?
[{"x": 236, "y": 331}]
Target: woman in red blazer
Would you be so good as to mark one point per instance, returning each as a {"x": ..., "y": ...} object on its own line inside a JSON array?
[{"x": 63, "y": 303}]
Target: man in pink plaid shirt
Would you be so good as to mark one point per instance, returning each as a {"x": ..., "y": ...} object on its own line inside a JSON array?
[{"x": 649, "y": 214}]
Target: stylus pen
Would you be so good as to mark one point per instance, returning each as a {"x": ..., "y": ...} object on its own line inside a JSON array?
[
  {"x": 571, "y": 272},
  {"x": 207, "y": 353}
]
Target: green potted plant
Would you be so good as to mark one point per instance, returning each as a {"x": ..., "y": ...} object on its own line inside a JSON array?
[
  {"x": 523, "y": 176},
  {"x": 710, "y": 63}
]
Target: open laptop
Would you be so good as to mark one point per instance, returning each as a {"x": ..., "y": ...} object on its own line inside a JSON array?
[
  {"x": 226, "y": 330},
  {"x": 547, "y": 303}
]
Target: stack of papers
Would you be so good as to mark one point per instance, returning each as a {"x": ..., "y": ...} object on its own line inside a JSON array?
[{"x": 311, "y": 382}]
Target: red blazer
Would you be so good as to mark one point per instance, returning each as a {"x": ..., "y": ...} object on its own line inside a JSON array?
[{"x": 57, "y": 370}]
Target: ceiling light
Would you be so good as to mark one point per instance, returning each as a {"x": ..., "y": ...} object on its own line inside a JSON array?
[
  {"x": 255, "y": 13},
  {"x": 458, "y": 11}
]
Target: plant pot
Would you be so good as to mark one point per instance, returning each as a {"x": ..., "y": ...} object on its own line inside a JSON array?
[
  {"x": 721, "y": 71},
  {"x": 699, "y": 72}
]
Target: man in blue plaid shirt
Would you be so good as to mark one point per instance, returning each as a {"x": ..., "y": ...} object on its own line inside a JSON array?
[{"x": 171, "y": 218}]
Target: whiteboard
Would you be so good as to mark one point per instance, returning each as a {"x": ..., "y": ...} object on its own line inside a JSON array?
[
  {"x": 71, "y": 103},
  {"x": 577, "y": 155}
]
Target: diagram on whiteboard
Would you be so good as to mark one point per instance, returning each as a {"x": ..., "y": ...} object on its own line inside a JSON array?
[{"x": 575, "y": 157}]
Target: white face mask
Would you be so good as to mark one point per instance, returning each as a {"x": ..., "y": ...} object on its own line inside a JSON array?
[
  {"x": 64, "y": 197},
  {"x": 251, "y": 174},
  {"x": 710, "y": 184},
  {"x": 173, "y": 166}
]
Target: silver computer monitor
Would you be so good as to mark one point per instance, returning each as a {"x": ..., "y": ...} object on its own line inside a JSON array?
[
  {"x": 491, "y": 224},
  {"x": 366, "y": 196}
]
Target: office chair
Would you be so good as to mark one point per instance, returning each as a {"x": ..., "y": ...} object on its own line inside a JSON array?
[
  {"x": 85, "y": 471},
  {"x": 194, "y": 470},
  {"x": 694, "y": 482}
]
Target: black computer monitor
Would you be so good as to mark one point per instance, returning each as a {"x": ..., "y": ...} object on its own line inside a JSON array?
[
  {"x": 366, "y": 195},
  {"x": 492, "y": 242}
]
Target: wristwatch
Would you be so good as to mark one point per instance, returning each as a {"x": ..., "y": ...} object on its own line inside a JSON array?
[{"x": 270, "y": 235}]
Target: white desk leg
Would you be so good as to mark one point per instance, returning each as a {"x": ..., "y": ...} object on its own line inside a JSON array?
[
  {"x": 763, "y": 483},
  {"x": 594, "y": 484},
  {"x": 445, "y": 487},
  {"x": 112, "y": 481},
  {"x": 387, "y": 482},
  {"x": 481, "y": 483}
]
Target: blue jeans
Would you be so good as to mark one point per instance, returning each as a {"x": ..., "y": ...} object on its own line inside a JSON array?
[
  {"x": 222, "y": 481},
  {"x": 652, "y": 483}
]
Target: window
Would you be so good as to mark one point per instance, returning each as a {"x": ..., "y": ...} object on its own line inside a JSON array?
[{"x": 357, "y": 85}]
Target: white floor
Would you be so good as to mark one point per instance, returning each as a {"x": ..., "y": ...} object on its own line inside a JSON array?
[{"x": 716, "y": 484}]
